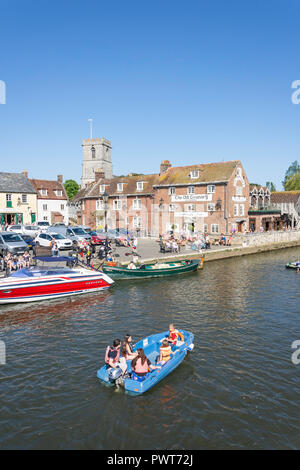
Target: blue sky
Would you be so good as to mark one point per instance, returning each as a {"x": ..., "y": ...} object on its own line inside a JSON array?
[{"x": 192, "y": 82}]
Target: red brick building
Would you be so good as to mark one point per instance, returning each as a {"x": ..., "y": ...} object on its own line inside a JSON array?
[{"x": 212, "y": 197}]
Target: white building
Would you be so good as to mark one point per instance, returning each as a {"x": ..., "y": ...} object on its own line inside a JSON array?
[{"x": 52, "y": 200}]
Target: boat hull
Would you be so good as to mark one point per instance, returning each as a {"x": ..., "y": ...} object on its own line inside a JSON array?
[
  {"x": 151, "y": 346},
  {"x": 45, "y": 289},
  {"x": 171, "y": 269},
  {"x": 292, "y": 266}
]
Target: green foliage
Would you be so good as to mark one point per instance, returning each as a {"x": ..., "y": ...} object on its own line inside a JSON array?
[
  {"x": 293, "y": 182},
  {"x": 71, "y": 188},
  {"x": 271, "y": 186},
  {"x": 292, "y": 170}
]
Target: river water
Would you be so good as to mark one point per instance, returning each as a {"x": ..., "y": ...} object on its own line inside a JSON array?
[{"x": 238, "y": 389}]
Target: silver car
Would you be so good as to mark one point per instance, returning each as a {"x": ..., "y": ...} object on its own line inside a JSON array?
[{"x": 12, "y": 242}]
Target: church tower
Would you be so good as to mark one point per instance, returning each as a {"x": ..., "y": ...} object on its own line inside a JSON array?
[{"x": 96, "y": 156}]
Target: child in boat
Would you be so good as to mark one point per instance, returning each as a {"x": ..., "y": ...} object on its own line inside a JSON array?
[
  {"x": 165, "y": 352},
  {"x": 173, "y": 335},
  {"x": 140, "y": 366},
  {"x": 127, "y": 350}
]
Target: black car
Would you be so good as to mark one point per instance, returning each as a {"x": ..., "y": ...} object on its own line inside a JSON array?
[{"x": 29, "y": 240}]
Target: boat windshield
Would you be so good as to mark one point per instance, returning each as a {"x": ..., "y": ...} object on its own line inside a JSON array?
[{"x": 39, "y": 272}]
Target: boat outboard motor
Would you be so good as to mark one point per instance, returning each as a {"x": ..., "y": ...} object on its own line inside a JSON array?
[{"x": 114, "y": 374}]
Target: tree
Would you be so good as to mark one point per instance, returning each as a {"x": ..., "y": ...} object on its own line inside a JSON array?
[
  {"x": 293, "y": 182},
  {"x": 71, "y": 188},
  {"x": 271, "y": 186},
  {"x": 292, "y": 170}
]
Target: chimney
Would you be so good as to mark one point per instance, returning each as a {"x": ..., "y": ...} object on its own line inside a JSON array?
[
  {"x": 99, "y": 174},
  {"x": 164, "y": 166},
  {"x": 60, "y": 178},
  {"x": 25, "y": 172}
]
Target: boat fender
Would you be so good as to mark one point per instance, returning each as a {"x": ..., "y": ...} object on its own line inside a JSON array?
[{"x": 191, "y": 347}]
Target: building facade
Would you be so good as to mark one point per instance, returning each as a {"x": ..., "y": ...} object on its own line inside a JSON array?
[
  {"x": 52, "y": 200},
  {"x": 211, "y": 198},
  {"x": 18, "y": 199}
]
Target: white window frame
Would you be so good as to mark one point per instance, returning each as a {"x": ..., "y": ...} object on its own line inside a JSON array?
[
  {"x": 24, "y": 198},
  {"x": 211, "y": 206},
  {"x": 205, "y": 228},
  {"x": 172, "y": 208},
  {"x": 189, "y": 207},
  {"x": 102, "y": 188},
  {"x": 43, "y": 192},
  {"x": 99, "y": 205},
  {"x": 211, "y": 188},
  {"x": 136, "y": 204},
  {"x": 120, "y": 187},
  {"x": 194, "y": 174},
  {"x": 140, "y": 186},
  {"x": 235, "y": 210},
  {"x": 137, "y": 221},
  {"x": 8, "y": 197},
  {"x": 239, "y": 190},
  {"x": 117, "y": 204},
  {"x": 214, "y": 228},
  {"x": 172, "y": 190},
  {"x": 58, "y": 192},
  {"x": 45, "y": 207},
  {"x": 242, "y": 210},
  {"x": 191, "y": 190}
]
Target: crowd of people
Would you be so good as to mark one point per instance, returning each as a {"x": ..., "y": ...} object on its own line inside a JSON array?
[
  {"x": 197, "y": 241},
  {"x": 14, "y": 262},
  {"x": 118, "y": 354}
]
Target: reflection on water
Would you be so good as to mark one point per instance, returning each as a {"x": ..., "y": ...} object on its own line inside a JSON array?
[{"x": 238, "y": 389}]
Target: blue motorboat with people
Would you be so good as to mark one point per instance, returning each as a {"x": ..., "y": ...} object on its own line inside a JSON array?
[{"x": 141, "y": 367}]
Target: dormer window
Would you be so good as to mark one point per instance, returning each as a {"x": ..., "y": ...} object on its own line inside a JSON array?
[
  {"x": 120, "y": 187},
  {"x": 43, "y": 192},
  {"x": 102, "y": 188},
  {"x": 139, "y": 186},
  {"x": 58, "y": 192},
  {"x": 194, "y": 174}
]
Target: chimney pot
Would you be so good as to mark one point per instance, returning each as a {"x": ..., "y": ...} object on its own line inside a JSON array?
[
  {"x": 164, "y": 166},
  {"x": 25, "y": 172},
  {"x": 60, "y": 178}
]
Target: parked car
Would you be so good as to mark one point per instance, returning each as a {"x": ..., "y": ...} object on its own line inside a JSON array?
[
  {"x": 31, "y": 230},
  {"x": 96, "y": 238},
  {"x": 43, "y": 225},
  {"x": 86, "y": 228},
  {"x": 29, "y": 240},
  {"x": 45, "y": 239},
  {"x": 12, "y": 242},
  {"x": 15, "y": 228}
]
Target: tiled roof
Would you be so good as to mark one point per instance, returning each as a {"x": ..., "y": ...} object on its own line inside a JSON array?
[
  {"x": 15, "y": 183},
  {"x": 285, "y": 197},
  {"x": 51, "y": 186},
  {"x": 208, "y": 173}
]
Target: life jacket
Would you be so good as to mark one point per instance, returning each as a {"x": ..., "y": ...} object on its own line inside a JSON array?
[
  {"x": 166, "y": 352},
  {"x": 139, "y": 368},
  {"x": 111, "y": 349}
]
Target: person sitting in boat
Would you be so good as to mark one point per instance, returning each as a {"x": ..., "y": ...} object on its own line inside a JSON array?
[
  {"x": 141, "y": 365},
  {"x": 131, "y": 265},
  {"x": 127, "y": 350},
  {"x": 173, "y": 335},
  {"x": 112, "y": 356},
  {"x": 165, "y": 352}
]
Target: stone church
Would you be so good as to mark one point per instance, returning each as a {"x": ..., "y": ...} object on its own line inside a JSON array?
[{"x": 96, "y": 156}]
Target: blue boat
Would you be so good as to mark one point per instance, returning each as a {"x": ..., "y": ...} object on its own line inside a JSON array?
[{"x": 151, "y": 346}]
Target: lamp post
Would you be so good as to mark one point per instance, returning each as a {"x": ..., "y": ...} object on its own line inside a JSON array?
[{"x": 105, "y": 200}]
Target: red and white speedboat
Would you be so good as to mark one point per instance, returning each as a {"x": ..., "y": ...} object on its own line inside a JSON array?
[{"x": 43, "y": 283}]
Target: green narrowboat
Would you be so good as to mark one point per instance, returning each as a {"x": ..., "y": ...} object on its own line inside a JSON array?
[{"x": 152, "y": 270}]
